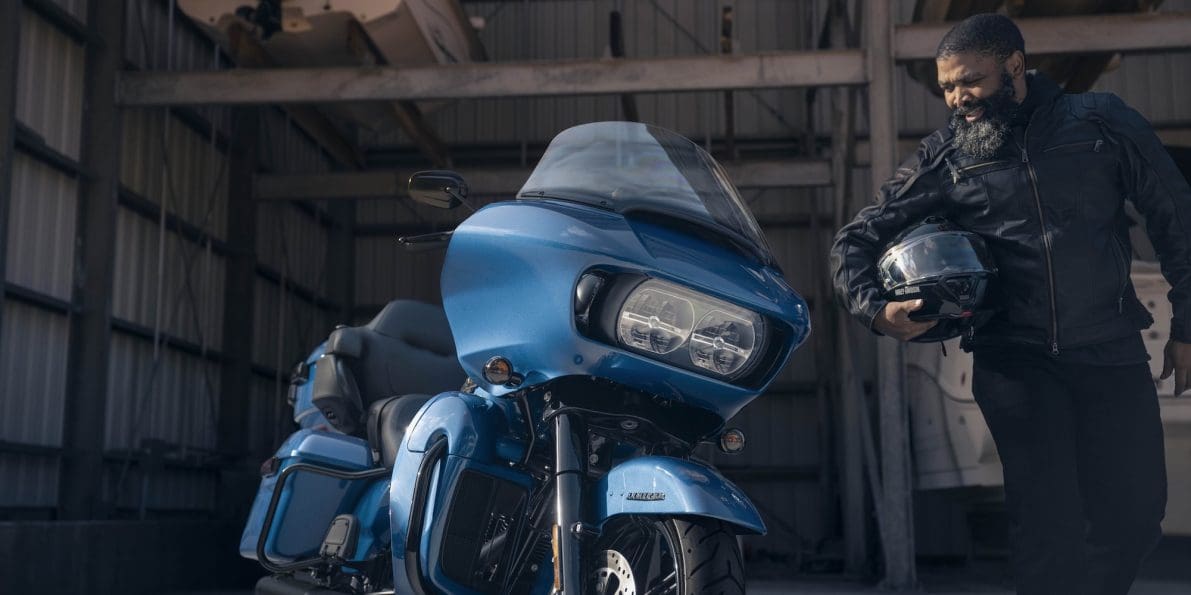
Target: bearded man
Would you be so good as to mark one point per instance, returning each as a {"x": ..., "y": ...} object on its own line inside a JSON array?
[{"x": 1060, "y": 370}]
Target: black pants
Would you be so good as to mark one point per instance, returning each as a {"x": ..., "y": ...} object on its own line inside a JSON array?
[{"x": 1085, "y": 479}]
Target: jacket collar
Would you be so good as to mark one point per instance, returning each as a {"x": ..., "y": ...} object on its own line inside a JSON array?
[{"x": 1040, "y": 90}]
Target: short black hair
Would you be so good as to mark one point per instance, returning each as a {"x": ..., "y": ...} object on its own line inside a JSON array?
[{"x": 989, "y": 34}]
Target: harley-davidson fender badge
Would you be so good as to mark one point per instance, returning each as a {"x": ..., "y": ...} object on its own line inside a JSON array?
[{"x": 646, "y": 496}]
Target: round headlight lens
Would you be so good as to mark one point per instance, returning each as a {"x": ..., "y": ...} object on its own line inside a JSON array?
[
  {"x": 655, "y": 320},
  {"x": 723, "y": 343}
]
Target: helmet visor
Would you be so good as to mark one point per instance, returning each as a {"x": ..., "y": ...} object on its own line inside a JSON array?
[{"x": 933, "y": 256}]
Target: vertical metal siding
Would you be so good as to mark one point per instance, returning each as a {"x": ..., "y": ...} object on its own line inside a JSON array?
[
  {"x": 41, "y": 228},
  {"x": 195, "y": 317},
  {"x": 50, "y": 84},
  {"x": 175, "y": 401},
  {"x": 147, "y": 32},
  {"x": 283, "y": 336},
  {"x": 183, "y": 167},
  {"x": 34, "y": 344},
  {"x": 33, "y": 352},
  {"x": 292, "y": 242},
  {"x": 384, "y": 272},
  {"x": 1154, "y": 84}
]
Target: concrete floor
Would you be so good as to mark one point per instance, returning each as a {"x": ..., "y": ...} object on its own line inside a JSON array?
[
  {"x": 842, "y": 588},
  {"x": 847, "y": 588}
]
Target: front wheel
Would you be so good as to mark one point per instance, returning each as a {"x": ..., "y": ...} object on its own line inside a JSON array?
[{"x": 639, "y": 555}]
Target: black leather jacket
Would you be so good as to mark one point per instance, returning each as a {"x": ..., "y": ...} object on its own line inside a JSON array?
[{"x": 1050, "y": 207}]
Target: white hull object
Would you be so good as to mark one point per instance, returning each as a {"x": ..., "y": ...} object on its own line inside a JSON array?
[
  {"x": 325, "y": 33},
  {"x": 951, "y": 442},
  {"x": 952, "y": 445},
  {"x": 314, "y": 32}
]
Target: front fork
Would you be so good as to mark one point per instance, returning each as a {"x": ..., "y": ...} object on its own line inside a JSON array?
[{"x": 569, "y": 470}]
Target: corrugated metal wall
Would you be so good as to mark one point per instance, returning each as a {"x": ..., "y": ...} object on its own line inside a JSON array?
[
  {"x": 171, "y": 281},
  {"x": 40, "y": 253}
]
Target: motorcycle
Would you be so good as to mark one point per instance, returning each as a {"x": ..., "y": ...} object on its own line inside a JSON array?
[{"x": 608, "y": 321}]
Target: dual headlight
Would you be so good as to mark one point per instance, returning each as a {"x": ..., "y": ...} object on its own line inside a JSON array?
[{"x": 679, "y": 326}]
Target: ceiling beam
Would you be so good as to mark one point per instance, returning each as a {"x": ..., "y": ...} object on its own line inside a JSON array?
[
  {"x": 507, "y": 181},
  {"x": 1067, "y": 35},
  {"x": 1051, "y": 35},
  {"x": 472, "y": 80}
]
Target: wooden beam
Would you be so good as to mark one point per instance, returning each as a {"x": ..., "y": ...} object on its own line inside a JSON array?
[
  {"x": 896, "y": 505},
  {"x": 531, "y": 79},
  {"x": 1175, "y": 137},
  {"x": 507, "y": 181},
  {"x": 1067, "y": 35},
  {"x": 89, "y": 348},
  {"x": 849, "y": 395}
]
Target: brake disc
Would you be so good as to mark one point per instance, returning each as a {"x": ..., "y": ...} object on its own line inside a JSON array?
[{"x": 612, "y": 575}]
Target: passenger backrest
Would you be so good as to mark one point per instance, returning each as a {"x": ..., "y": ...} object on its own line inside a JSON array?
[{"x": 407, "y": 348}]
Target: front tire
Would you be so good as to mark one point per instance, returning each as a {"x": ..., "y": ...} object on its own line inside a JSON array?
[{"x": 640, "y": 555}]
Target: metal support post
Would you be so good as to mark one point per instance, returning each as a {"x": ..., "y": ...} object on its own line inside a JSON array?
[
  {"x": 235, "y": 379},
  {"x": 850, "y": 459},
  {"x": 897, "y": 531},
  {"x": 10, "y": 46},
  {"x": 95, "y": 257}
]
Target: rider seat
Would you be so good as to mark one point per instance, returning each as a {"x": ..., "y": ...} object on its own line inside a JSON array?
[
  {"x": 387, "y": 421},
  {"x": 406, "y": 349}
]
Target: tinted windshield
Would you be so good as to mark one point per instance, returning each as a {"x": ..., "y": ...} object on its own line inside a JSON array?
[{"x": 627, "y": 167}]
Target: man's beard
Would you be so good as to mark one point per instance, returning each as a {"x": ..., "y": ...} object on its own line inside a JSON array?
[{"x": 984, "y": 137}]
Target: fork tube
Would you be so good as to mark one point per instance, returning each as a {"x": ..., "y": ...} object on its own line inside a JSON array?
[{"x": 568, "y": 478}]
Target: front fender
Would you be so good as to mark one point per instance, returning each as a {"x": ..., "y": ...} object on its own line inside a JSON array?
[{"x": 673, "y": 487}]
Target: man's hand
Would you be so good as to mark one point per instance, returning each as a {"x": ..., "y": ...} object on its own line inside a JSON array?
[
  {"x": 1177, "y": 359},
  {"x": 895, "y": 322}
]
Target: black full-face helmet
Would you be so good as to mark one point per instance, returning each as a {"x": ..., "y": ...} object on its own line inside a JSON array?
[{"x": 949, "y": 269}]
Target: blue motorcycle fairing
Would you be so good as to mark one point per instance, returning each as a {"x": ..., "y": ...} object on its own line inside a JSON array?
[
  {"x": 667, "y": 486},
  {"x": 512, "y": 268},
  {"x": 476, "y": 429}
]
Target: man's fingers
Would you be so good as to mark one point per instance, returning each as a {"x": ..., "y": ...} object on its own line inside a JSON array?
[
  {"x": 1167, "y": 365},
  {"x": 1180, "y": 382},
  {"x": 901, "y": 313}
]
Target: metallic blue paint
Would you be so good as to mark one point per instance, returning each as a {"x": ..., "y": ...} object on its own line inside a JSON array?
[
  {"x": 308, "y": 502},
  {"x": 478, "y": 431},
  {"x": 508, "y": 286},
  {"x": 690, "y": 489}
]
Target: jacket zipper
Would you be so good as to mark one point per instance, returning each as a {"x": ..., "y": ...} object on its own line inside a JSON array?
[
  {"x": 960, "y": 173},
  {"x": 1050, "y": 270},
  {"x": 1096, "y": 144}
]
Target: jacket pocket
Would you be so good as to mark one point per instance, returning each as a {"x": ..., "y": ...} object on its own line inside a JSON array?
[
  {"x": 1093, "y": 145},
  {"x": 960, "y": 174}
]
